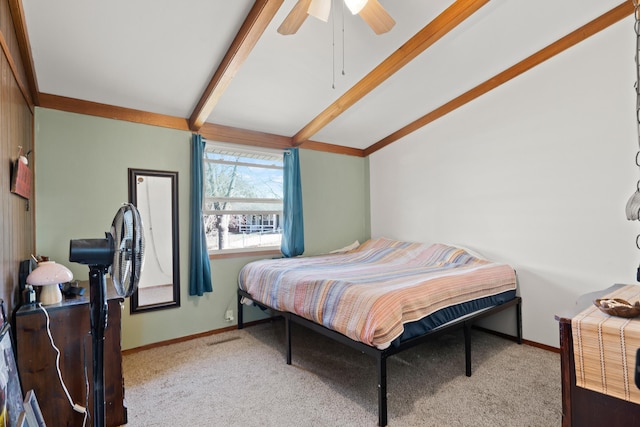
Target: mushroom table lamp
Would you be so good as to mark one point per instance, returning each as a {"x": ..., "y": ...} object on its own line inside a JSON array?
[{"x": 49, "y": 275}]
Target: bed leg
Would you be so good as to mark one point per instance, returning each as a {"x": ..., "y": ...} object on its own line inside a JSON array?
[
  {"x": 287, "y": 333},
  {"x": 467, "y": 348},
  {"x": 240, "y": 312},
  {"x": 519, "y": 320},
  {"x": 382, "y": 390}
]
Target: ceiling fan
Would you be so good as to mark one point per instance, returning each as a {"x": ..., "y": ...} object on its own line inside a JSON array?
[{"x": 371, "y": 11}]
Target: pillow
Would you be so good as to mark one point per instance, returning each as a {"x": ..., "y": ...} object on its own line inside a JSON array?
[
  {"x": 469, "y": 251},
  {"x": 347, "y": 248}
]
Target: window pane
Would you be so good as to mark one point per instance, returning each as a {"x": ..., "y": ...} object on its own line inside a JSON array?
[
  {"x": 247, "y": 185},
  {"x": 224, "y": 180},
  {"x": 242, "y": 231}
]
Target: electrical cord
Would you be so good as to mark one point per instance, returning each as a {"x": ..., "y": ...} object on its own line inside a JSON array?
[
  {"x": 86, "y": 379},
  {"x": 75, "y": 406}
]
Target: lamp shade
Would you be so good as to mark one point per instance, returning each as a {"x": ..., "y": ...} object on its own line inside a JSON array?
[{"x": 48, "y": 274}]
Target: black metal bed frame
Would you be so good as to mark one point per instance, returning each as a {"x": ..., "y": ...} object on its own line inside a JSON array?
[{"x": 381, "y": 356}]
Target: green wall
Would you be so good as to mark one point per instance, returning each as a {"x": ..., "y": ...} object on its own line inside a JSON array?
[{"x": 81, "y": 167}]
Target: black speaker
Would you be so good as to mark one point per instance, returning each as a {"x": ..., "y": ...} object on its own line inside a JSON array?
[{"x": 25, "y": 270}]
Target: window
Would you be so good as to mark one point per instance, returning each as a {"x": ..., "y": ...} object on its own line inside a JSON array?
[{"x": 243, "y": 198}]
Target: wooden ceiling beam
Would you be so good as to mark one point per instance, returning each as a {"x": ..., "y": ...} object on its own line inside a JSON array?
[
  {"x": 254, "y": 25},
  {"x": 208, "y": 130},
  {"x": 4, "y": 46},
  {"x": 423, "y": 39},
  {"x": 73, "y": 105},
  {"x": 614, "y": 15},
  {"x": 332, "y": 148},
  {"x": 17, "y": 16},
  {"x": 235, "y": 135}
]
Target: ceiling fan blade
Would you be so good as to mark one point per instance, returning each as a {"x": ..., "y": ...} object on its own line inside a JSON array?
[
  {"x": 295, "y": 18},
  {"x": 320, "y": 9},
  {"x": 377, "y": 17}
]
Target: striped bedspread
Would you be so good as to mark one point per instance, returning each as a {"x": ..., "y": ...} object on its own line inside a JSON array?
[{"x": 369, "y": 293}]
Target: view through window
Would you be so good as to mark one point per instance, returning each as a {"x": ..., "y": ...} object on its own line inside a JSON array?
[{"x": 243, "y": 198}]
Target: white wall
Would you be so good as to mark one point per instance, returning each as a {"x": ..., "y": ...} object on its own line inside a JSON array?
[{"x": 536, "y": 173}]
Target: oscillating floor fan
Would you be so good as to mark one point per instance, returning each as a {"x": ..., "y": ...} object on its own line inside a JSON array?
[{"x": 120, "y": 253}]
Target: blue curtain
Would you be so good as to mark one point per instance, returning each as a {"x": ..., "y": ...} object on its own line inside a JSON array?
[
  {"x": 293, "y": 225},
  {"x": 199, "y": 267}
]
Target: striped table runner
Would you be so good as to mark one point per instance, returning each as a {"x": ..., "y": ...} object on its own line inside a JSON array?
[{"x": 605, "y": 348}]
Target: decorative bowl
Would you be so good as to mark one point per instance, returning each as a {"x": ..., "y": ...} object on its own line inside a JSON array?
[{"x": 618, "y": 307}]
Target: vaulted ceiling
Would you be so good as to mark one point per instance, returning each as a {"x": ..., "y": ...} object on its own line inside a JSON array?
[{"x": 219, "y": 67}]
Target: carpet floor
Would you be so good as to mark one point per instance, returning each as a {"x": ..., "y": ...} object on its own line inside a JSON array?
[{"x": 240, "y": 378}]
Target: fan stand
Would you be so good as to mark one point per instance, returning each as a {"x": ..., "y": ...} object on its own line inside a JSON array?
[
  {"x": 98, "y": 313},
  {"x": 125, "y": 241}
]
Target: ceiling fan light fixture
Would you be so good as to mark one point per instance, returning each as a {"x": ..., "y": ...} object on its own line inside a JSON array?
[
  {"x": 320, "y": 9},
  {"x": 355, "y": 6}
]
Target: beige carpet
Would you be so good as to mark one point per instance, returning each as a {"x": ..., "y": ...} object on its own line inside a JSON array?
[{"x": 240, "y": 378}]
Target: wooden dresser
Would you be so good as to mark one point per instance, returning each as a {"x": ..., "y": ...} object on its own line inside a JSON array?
[
  {"x": 580, "y": 406},
  {"x": 70, "y": 328}
]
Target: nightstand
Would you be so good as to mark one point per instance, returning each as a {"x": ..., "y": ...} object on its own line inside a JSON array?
[
  {"x": 580, "y": 406},
  {"x": 70, "y": 327}
]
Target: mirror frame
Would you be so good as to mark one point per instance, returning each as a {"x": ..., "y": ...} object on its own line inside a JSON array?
[{"x": 133, "y": 196}]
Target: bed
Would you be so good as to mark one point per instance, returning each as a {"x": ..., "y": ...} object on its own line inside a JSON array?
[{"x": 382, "y": 297}]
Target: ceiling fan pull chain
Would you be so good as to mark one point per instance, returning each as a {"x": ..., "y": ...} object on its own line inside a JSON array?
[
  {"x": 333, "y": 49},
  {"x": 343, "y": 39}
]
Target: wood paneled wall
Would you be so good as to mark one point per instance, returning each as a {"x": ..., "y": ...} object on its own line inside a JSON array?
[{"x": 17, "y": 229}]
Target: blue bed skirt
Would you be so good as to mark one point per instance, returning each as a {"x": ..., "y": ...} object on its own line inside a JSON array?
[{"x": 447, "y": 314}]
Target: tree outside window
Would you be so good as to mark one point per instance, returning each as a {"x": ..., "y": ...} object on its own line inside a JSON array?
[{"x": 243, "y": 198}]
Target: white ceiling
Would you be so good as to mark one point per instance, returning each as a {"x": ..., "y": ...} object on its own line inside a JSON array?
[{"x": 159, "y": 56}]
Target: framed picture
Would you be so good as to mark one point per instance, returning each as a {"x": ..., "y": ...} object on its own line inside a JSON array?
[
  {"x": 22, "y": 420},
  {"x": 21, "y": 179},
  {"x": 11, "y": 403},
  {"x": 32, "y": 415},
  {"x": 3, "y": 316}
]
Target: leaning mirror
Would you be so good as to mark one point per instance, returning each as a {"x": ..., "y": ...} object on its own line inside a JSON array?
[{"x": 155, "y": 194}]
